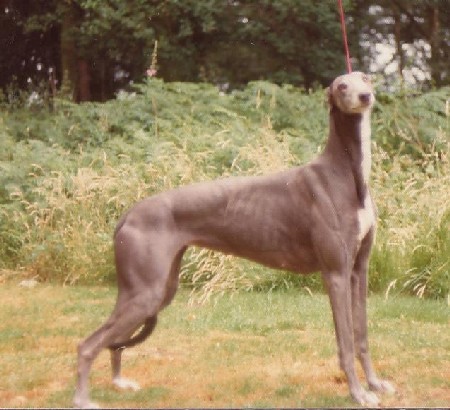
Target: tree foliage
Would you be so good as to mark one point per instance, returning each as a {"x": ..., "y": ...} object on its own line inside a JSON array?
[
  {"x": 93, "y": 48},
  {"x": 419, "y": 30}
]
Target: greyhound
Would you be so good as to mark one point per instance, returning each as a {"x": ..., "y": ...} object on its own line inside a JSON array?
[{"x": 318, "y": 217}]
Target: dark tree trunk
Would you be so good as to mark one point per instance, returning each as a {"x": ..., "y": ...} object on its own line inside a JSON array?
[
  {"x": 434, "y": 40},
  {"x": 84, "y": 81},
  {"x": 398, "y": 44},
  {"x": 68, "y": 54}
]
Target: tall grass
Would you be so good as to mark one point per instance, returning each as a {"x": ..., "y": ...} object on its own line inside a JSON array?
[
  {"x": 68, "y": 176},
  {"x": 413, "y": 245}
]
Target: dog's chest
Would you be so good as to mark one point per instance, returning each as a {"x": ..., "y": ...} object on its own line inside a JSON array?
[
  {"x": 366, "y": 218},
  {"x": 365, "y": 147}
]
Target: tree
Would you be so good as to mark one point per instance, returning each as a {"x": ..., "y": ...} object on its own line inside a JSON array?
[
  {"x": 239, "y": 41},
  {"x": 103, "y": 44},
  {"x": 419, "y": 30},
  {"x": 96, "y": 47},
  {"x": 24, "y": 55}
]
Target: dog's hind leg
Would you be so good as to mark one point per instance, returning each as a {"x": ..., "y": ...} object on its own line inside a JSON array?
[
  {"x": 359, "y": 308},
  {"x": 117, "y": 379},
  {"x": 144, "y": 267},
  {"x": 117, "y": 349},
  {"x": 122, "y": 322}
]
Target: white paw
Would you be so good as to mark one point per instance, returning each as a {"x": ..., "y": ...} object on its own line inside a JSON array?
[
  {"x": 126, "y": 384},
  {"x": 85, "y": 404},
  {"x": 382, "y": 386},
  {"x": 366, "y": 398}
]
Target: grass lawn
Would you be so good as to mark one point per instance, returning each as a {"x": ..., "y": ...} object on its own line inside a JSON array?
[{"x": 241, "y": 350}]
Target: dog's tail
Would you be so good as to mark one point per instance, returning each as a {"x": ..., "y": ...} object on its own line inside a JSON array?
[{"x": 145, "y": 332}]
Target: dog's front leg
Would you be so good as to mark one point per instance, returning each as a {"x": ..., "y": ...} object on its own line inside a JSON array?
[
  {"x": 359, "y": 308},
  {"x": 338, "y": 287}
]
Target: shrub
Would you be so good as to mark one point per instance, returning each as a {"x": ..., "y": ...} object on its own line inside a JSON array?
[{"x": 67, "y": 176}]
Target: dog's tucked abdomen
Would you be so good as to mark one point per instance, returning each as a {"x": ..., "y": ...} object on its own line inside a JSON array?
[{"x": 252, "y": 217}]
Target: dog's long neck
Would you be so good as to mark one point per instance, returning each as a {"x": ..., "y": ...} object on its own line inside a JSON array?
[{"x": 349, "y": 146}]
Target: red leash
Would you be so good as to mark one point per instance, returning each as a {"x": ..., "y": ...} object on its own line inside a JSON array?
[{"x": 344, "y": 37}]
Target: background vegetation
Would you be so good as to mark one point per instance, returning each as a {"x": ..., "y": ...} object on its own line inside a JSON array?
[
  {"x": 92, "y": 48},
  {"x": 67, "y": 175}
]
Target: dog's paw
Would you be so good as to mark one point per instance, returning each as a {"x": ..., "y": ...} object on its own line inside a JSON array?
[
  {"x": 366, "y": 398},
  {"x": 85, "y": 404},
  {"x": 126, "y": 384},
  {"x": 382, "y": 386}
]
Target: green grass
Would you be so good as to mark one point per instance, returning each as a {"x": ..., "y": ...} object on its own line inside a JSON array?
[{"x": 257, "y": 349}]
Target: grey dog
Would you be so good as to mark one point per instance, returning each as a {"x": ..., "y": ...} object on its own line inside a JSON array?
[{"x": 317, "y": 217}]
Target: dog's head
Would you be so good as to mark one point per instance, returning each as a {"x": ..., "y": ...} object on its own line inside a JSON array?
[{"x": 351, "y": 93}]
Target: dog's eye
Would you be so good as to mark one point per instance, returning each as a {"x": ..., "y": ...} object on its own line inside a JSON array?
[
  {"x": 366, "y": 78},
  {"x": 342, "y": 87}
]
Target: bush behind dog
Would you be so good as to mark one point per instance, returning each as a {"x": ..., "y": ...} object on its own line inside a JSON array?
[{"x": 67, "y": 176}]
